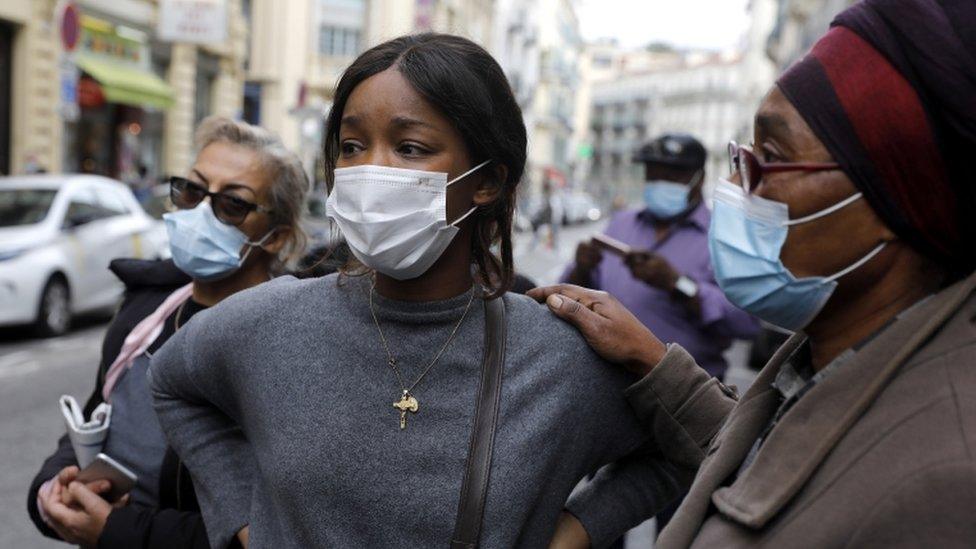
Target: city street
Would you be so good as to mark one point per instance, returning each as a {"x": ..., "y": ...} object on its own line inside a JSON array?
[{"x": 35, "y": 372}]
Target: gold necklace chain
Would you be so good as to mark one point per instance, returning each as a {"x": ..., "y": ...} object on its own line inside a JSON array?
[{"x": 407, "y": 402}]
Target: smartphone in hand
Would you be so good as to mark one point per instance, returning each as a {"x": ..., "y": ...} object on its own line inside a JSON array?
[
  {"x": 106, "y": 468},
  {"x": 612, "y": 245}
]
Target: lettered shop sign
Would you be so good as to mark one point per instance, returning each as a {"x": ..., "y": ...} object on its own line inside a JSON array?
[{"x": 193, "y": 21}]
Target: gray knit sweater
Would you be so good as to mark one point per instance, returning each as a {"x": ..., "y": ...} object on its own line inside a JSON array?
[{"x": 279, "y": 401}]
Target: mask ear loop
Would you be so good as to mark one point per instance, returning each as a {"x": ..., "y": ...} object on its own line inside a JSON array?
[
  {"x": 251, "y": 245},
  {"x": 858, "y": 263},
  {"x": 467, "y": 173},
  {"x": 460, "y": 177},
  {"x": 825, "y": 212},
  {"x": 465, "y": 216}
]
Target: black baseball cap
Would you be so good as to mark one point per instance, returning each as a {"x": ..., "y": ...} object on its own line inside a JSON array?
[{"x": 678, "y": 150}]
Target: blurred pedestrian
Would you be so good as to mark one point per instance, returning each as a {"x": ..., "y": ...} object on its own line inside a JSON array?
[
  {"x": 143, "y": 186},
  {"x": 546, "y": 218},
  {"x": 851, "y": 222},
  {"x": 371, "y": 408},
  {"x": 237, "y": 223},
  {"x": 33, "y": 166},
  {"x": 665, "y": 276}
]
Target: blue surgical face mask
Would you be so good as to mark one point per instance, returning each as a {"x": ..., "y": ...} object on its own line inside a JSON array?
[
  {"x": 204, "y": 247},
  {"x": 666, "y": 199},
  {"x": 745, "y": 240}
]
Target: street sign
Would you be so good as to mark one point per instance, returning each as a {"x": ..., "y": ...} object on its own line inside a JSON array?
[
  {"x": 69, "y": 92},
  {"x": 193, "y": 21},
  {"x": 69, "y": 74},
  {"x": 69, "y": 26}
]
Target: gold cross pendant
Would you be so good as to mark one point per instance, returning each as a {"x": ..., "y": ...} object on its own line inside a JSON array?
[{"x": 407, "y": 403}]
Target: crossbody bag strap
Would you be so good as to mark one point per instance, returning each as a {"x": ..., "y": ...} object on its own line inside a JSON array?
[{"x": 474, "y": 490}]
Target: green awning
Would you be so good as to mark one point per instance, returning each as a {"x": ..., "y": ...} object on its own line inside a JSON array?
[{"x": 127, "y": 84}]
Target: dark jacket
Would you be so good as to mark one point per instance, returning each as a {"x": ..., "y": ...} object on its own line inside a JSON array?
[{"x": 176, "y": 522}]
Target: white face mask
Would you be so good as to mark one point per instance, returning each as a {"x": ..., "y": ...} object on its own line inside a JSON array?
[{"x": 394, "y": 219}]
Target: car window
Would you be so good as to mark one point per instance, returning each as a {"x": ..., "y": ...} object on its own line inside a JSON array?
[
  {"x": 157, "y": 205},
  {"x": 112, "y": 203},
  {"x": 24, "y": 206},
  {"x": 84, "y": 207}
]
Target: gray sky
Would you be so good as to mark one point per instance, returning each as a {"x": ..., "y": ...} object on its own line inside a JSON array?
[{"x": 709, "y": 24}]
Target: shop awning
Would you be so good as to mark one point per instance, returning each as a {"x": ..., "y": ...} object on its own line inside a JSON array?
[{"x": 128, "y": 85}]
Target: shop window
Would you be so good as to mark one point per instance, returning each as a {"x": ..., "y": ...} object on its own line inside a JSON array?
[
  {"x": 208, "y": 67},
  {"x": 252, "y": 103}
]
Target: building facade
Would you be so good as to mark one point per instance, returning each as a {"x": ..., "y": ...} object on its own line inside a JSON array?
[
  {"x": 123, "y": 101},
  {"x": 798, "y": 25},
  {"x": 299, "y": 49},
  {"x": 697, "y": 93},
  {"x": 758, "y": 70},
  {"x": 538, "y": 44}
]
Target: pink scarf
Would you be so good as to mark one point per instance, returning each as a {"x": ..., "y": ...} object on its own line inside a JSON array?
[{"x": 142, "y": 336}]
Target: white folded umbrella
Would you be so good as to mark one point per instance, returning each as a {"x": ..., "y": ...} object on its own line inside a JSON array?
[{"x": 87, "y": 437}]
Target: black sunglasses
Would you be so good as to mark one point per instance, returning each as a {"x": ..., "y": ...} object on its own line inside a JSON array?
[{"x": 229, "y": 209}]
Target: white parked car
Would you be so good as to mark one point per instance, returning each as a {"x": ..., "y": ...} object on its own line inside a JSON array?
[
  {"x": 58, "y": 234},
  {"x": 580, "y": 207}
]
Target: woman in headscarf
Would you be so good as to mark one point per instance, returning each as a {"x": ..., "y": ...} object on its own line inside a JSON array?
[{"x": 850, "y": 221}]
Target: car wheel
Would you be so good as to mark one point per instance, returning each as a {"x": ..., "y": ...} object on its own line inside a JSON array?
[{"x": 54, "y": 316}]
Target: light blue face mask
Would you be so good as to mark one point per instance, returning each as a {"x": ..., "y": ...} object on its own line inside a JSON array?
[
  {"x": 745, "y": 240},
  {"x": 204, "y": 247},
  {"x": 666, "y": 199}
]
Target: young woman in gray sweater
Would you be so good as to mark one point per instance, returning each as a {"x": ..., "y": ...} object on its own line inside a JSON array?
[{"x": 337, "y": 412}]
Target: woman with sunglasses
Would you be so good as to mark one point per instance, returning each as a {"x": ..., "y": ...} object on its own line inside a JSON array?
[
  {"x": 236, "y": 224},
  {"x": 347, "y": 419},
  {"x": 851, "y": 222}
]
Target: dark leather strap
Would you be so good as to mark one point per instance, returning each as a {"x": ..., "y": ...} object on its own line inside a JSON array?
[{"x": 474, "y": 490}]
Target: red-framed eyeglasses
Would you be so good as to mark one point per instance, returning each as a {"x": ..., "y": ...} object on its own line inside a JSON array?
[{"x": 751, "y": 170}]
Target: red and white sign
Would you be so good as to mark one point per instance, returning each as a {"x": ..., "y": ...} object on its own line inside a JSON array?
[
  {"x": 193, "y": 21},
  {"x": 90, "y": 94},
  {"x": 70, "y": 26}
]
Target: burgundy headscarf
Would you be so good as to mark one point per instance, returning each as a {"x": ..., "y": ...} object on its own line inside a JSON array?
[{"x": 891, "y": 92}]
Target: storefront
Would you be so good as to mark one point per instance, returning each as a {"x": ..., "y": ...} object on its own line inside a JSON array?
[{"x": 122, "y": 99}]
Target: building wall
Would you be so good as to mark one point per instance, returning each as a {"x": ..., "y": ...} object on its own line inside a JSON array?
[
  {"x": 36, "y": 124},
  {"x": 178, "y": 140},
  {"x": 281, "y": 40},
  {"x": 798, "y": 25},
  {"x": 758, "y": 70}
]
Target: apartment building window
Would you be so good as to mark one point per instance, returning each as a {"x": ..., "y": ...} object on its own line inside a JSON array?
[
  {"x": 338, "y": 41},
  {"x": 252, "y": 103},
  {"x": 208, "y": 68}
]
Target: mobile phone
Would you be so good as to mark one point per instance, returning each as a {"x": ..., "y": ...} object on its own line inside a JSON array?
[
  {"x": 612, "y": 245},
  {"x": 106, "y": 468}
]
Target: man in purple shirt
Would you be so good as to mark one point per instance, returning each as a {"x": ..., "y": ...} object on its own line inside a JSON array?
[{"x": 666, "y": 279}]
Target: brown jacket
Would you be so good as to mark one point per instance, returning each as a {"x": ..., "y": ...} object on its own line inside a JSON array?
[{"x": 881, "y": 453}]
